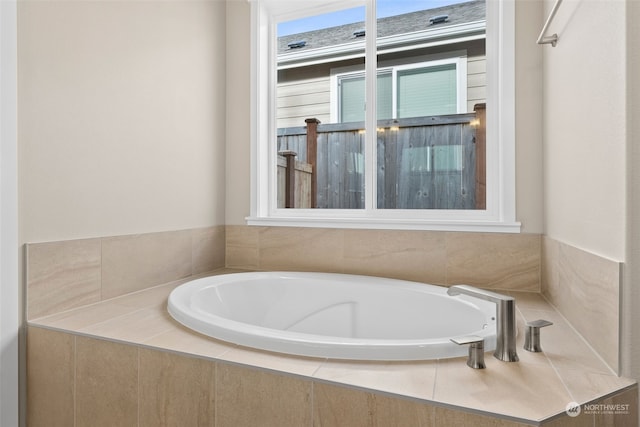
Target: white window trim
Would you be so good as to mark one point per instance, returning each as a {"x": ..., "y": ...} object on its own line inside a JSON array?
[
  {"x": 500, "y": 213},
  {"x": 461, "y": 81},
  {"x": 460, "y": 62},
  {"x": 9, "y": 271}
]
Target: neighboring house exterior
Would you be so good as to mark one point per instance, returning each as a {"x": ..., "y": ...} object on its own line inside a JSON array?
[{"x": 427, "y": 65}]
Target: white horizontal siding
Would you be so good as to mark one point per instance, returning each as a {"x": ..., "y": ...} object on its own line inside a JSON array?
[
  {"x": 301, "y": 99},
  {"x": 476, "y": 81},
  {"x": 476, "y": 64}
]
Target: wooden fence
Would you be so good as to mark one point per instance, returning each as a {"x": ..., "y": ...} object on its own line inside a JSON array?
[
  {"x": 294, "y": 181},
  {"x": 433, "y": 162}
]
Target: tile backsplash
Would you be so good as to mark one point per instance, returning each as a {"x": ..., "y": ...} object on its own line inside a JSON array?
[
  {"x": 489, "y": 260},
  {"x": 62, "y": 275},
  {"x": 68, "y": 274},
  {"x": 583, "y": 287}
]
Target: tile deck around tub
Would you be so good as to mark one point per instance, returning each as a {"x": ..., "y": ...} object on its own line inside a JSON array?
[{"x": 537, "y": 387}]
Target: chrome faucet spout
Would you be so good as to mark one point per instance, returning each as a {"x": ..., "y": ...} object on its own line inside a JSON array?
[{"x": 505, "y": 319}]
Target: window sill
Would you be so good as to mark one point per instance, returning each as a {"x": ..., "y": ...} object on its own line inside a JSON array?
[{"x": 390, "y": 224}]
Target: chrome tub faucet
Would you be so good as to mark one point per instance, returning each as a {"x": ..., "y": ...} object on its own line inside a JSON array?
[{"x": 505, "y": 319}]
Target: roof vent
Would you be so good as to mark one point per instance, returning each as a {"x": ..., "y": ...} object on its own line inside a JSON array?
[
  {"x": 438, "y": 19},
  {"x": 359, "y": 33},
  {"x": 297, "y": 44}
]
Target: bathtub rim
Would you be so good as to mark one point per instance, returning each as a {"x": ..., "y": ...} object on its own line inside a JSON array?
[{"x": 312, "y": 345}]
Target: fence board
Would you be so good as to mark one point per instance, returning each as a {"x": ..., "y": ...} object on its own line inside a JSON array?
[
  {"x": 302, "y": 183},
  {"x": 423, "y": 163}
]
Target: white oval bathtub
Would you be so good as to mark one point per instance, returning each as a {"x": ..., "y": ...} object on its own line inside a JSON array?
[{"x": 333, "y": 315}]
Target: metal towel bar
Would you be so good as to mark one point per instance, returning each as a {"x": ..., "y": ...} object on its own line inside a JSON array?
[{"x": 552, "y": 39}]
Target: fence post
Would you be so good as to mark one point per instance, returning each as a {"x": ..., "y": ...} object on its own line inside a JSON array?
[
  {"x": 481, "y": 155},
  {"x": 290, "y": 179},
  {"x": 312, "y": 155}
]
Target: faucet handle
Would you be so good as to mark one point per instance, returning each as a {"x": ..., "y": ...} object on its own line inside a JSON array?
[
  {"x": 532, "y": 335},
  {"x": 476, "y": 350}
]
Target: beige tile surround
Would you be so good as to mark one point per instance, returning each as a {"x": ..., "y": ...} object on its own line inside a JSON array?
[
  {"x": 133, "y": 334},
  {"x": 585, "y": 288},
  {"x": 164, "y": 372},
  {"x": 67, "y": 274},
  {"x": 490, "y": 260}
]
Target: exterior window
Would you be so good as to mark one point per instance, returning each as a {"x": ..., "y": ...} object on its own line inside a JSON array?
[
  {"x": 434, "y": 150},
  {"x": 352, "y": 101},
  {"x": 427, "y": 91},
  {"x": 422, "y": 89},
  {"x": 352, "y": 97}
]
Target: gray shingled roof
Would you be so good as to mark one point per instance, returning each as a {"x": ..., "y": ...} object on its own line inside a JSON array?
[{"x": 459, "y": 13}]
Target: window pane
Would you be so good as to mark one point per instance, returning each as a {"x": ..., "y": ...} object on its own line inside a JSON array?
[
  {"x": 351, "y": 106},
  {"x": 320, "y": 117},
  {"x": 431, "y": 89},
  {"x": 352, "y": 97},
  {"x": 430, "y": 155},
  {"x": 427, "y": 91},
  {"x": 385, "y": 95}
]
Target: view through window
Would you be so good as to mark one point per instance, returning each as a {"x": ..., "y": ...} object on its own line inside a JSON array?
[{"x": 430, "y": 88}]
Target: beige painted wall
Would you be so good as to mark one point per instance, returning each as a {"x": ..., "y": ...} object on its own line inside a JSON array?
[
  {"x": 591, "y": 97},
  {"x": 238, "y": 113},
  {"x": 585, "y": 127},
  {"x": 528, "y": 116},
  {"x": 528, "y": 82},
  {"x": 630, "y": 336},
  {"x": 121, "y": 117}
]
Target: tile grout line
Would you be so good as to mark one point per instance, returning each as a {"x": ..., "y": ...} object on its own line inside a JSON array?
[
  {"x": 191, "y": 252},
  {"x": 312, "y": 403},
  {"x": 101, "y": 270},
  {"x": 435, "y": 381},
  {"x": 551, "y": 364},
  {"x": 215, "y": 394},
  {"x": 138, "y": 387},
  {"x": 75, "y": 380},
  {"x": 581, "y": 337}
]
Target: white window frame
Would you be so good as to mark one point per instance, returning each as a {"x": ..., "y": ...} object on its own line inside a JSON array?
[
  {"x": 10, "y": 313},
  {"x": 459, "y": 59},
  {"x": 499, "y": 216}
]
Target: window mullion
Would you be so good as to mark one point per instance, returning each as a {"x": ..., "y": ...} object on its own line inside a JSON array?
[{"x": 371, "y": 107}]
